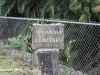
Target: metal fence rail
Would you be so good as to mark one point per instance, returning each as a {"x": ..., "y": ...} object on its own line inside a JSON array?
[{"x": 82, "y": 41}]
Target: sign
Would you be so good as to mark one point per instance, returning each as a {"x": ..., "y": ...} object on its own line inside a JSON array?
[{"x": 48, "y": 36}]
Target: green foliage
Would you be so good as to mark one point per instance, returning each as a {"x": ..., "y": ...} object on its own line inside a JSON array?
[
  {"x": 19, "y": 42},
  {"x": 63, "y": 71},
  {"x": 84, "y": 9},
  {"x": 67, "y": 49},
  {"x": 36, "y": 8},
  {"x": 6, "y": 8},
  {"x": 68, "y": 52},
  {"x": 10, "y": 64},
  {"x": 21, "y": 6},
  {"x": 4, "y": 46},
  {"x": 62, "y": 9}
]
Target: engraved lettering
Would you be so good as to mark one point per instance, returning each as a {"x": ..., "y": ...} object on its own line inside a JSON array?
[
  {"x": 49, "y": 32},
  {"x": 49, "y": 40}
]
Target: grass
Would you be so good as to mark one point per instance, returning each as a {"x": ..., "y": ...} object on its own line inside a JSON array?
[{"x": 12, "y": 66}]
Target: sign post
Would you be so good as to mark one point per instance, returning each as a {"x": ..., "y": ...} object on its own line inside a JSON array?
[{"x": 48, "y": 39}]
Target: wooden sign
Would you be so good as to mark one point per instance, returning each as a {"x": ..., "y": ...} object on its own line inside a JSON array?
[{"x": 48, "y": 36}]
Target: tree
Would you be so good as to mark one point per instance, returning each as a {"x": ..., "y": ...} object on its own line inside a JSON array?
[
  {"x": 36, "y": 8},
  {"x": 86, "y": 9}
]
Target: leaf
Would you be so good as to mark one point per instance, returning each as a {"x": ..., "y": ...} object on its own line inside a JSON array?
[
  {"x": 21, "y": 6},
  {"x": 84, "y": 17},
  {"x": 96, "y": 2},
  {"x": 7, "y": 6},
  {"x": 66, "y": 15},
  {"x": 50, "y": 11},
  {"x": 87, "y": 10},
  {"x": 27, "y": 12},
  {"x": 24, "y": 6},
  {"x": 69, "y": 48},
  {"x": 44, "y": 9},
  {"x": 76, "y": 6},
  {"x": 96, "y": 9}
]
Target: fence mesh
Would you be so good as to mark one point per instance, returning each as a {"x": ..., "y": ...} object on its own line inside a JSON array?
[{"x": 81, "y": 53}]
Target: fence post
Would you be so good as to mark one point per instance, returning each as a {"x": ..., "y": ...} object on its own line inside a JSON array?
[
  {"x": 48, "y": 39},
  {"x": 48, "y": 60}
]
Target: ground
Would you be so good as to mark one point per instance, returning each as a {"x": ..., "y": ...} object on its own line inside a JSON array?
[{"x": 14, "y": 66}]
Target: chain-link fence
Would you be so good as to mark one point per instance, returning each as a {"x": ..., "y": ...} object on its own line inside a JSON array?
[{"x": 80, "y": 56}]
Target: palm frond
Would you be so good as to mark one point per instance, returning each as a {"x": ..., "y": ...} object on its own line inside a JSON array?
[
  {"x": 83, "y": 17},
  {"x": 21, "y": 6},
  {"x": 6, "y": 8},
  {"x": 76, "y": 6},
  {"x": 96, "y": 2},
  {"x": 30, "y": 8},
  {"x": 96, "y": 9}
]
